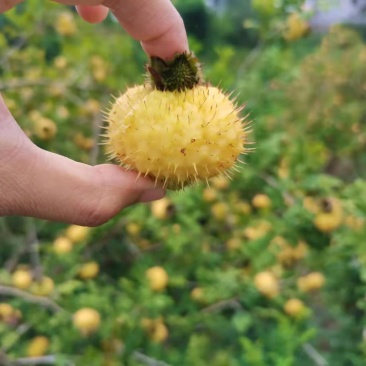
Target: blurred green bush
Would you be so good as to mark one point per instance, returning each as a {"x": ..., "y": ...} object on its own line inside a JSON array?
[{"x": 268, "y": 268}]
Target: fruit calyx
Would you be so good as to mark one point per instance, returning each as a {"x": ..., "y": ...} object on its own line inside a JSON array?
[{"x": 181, "y": 73}]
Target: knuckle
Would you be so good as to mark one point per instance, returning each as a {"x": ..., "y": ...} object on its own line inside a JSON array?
[
  {"x": 95, "y": 212},
  {"x": 101, "y": 207}
]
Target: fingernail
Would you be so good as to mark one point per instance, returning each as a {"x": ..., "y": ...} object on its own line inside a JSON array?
[{"x": 152, "y": 195}]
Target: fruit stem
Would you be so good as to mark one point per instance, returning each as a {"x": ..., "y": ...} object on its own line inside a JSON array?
[{"x": 181, "y": 73}]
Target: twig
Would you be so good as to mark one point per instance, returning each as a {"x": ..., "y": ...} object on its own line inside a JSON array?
[
  {"x": 146, "y": 360},
  {"x": 33, "y": 249},
  {"x": 51, "y": 360},
  {"x": 43, "y": 301},
  {"x": 224, "y": 304},
  {"x": 255, "y": 53},
  {"x": 314, "y": 355},
  {"x": 250, "y": 59},
  {"x": 4, "y": 361},
  {"x": 11, "y": 263},
  {"x": 23, "y": 41},
  {"x": 20, "y": 330},
  {"x": 272, "y": 183},
  {"x": 43, "y": 360}
]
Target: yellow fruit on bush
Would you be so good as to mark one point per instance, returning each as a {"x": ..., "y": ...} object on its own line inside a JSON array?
[
  {"x": 44, "y": 287},
  {"x": 90, "y": 107},
  {"x": 261, "y": 201},
  {"x": 63, "y": 112},
  {"x": 233, "y": 243},
  {"x": 311, "y": 205},
  {"x": 57, "y": 90},
  {"x": 38, "y": 346},
  {"x": 113, "y": 346},
  {"x": 259, "y": 230},
  {"x": 220, "y": 210},
  {"x": 243, "y": 207},
  {"x": 86, "y": 321},
  {"x": 176, "y": 228},
  {"x": 89, "y": 270},
  {"x": 283, "y": 171},
  {"x": 296, "y": 27},
  {"x": 327, "y": 222},
  {"x": 155, "y": 328},
  {"x": 330, "y": 216},
  {"x": 44, "y": 128},
  {"x": 6, "y": 311},
  {"x": 175, "y": 129},
  {"x": 99, "y": 68},
  {"x": 267, "y": 284},
  {"x": 9, "y": 315},
  {"x": 160, "y": 208},
  {"x": 83, "y": 142},
  {"x": 147, "y": 323},
  {"x": 65, "y": 24},
  {"x": 159, "y": 333},
  {"x": 209, "y": 194},
  {"x": 77, "y": 233},
  {"x": 133, "y": 228},
  {"x": 21, "y": 279},
  {"x": 294, "y": 307},
  {"x": 158, "y": 278},
  {"x": 221, "y": 182},
  {"x": 60, "y": 62},
  {"x": 311, "y": 282},
  {"x": 286, "y": 253},
  {"x": 354, "y": 223},
  {"x": 197, "y": 294},
  {"x": 62, "y": 245}
]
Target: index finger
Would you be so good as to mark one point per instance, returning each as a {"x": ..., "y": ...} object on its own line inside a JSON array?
[{"x": 156, "y": 23}]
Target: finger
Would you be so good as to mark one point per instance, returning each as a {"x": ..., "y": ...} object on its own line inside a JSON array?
[
  {"x": 157, "y": 24},
  {"x": 6, "y": 5},
  {"x": 93, "y": 14}
]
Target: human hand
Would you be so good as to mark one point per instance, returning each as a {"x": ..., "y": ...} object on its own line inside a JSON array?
[
  {"x": 156, "y": 24},
  {"x": 38, "y": 183}
]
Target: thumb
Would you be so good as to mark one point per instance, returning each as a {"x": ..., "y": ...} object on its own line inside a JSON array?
[
  {"x": 38, "y": 183},
  {"x": 61, "y": 189}
]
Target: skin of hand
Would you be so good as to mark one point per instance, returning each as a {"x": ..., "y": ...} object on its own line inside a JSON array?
[{"x": 38, "y": 183}]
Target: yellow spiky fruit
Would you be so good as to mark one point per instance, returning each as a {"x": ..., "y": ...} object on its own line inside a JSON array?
[{"x": 175, "y": 134}]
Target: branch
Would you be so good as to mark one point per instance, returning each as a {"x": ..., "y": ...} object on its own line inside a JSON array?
[
  {"x": 51, "y": 360},
  {"x": 43, "y": 301},
  {"x": 33, "y": 249},
  {"x": 146, "y": 360},
  {"x": 11, "y": 263},
  {"x": 20, "y": 330},
  {"x": 224, "y": 304},
  {"x": 43, "y": 360},
  {"x": 314, "y": 355},
  {"x": 272, "y": 183}
]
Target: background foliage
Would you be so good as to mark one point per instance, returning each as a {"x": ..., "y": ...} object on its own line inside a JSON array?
[{"x": 268, "y": 268}]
